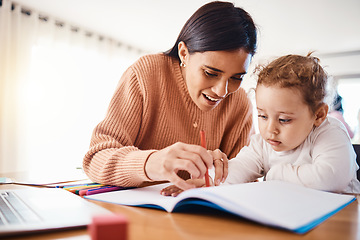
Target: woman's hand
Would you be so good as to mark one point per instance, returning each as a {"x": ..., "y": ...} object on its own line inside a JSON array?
[
  {"x": 173, "y": 190},
  {"x": 221, "y": 164},
  {"x": 164, "y": 164}
]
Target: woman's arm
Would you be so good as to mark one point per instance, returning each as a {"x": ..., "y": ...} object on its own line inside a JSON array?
[{"x": 112, "y": 158}]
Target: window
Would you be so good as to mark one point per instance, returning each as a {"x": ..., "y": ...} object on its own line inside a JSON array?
[{"x": 349, "y": 90}]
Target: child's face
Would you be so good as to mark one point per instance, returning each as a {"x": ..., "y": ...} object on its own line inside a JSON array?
[{"x": 284, "y": 119}]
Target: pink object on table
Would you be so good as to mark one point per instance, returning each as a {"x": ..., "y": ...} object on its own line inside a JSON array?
[
  {"x": 99, "y": 190},
  {"x": 108, "y": 227},
  {"x": 103, "y": 190}
]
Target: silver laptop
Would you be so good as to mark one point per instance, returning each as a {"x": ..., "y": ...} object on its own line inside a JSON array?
[{"x": 44, "y": 209}]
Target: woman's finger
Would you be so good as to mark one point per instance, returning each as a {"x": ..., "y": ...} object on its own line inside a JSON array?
[
  {"x": 225, "y": 167},
  {"x": 181, "y": 183},
  {"x": 203, "y": 156},
  {"x": 189, "y": 156},
  {"x": 219, "y": 171},
  {"x": 221, "y": 166},
  {"x": 164, "y": 164}
]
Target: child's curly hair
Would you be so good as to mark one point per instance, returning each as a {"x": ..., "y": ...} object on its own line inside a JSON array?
[{"x": 294, "y": 71}]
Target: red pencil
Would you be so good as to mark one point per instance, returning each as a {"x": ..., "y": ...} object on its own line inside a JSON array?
[{"x": 203, "y": 144}]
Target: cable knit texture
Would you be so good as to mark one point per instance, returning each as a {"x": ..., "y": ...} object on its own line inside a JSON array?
[{"x": 152, "y": 109}]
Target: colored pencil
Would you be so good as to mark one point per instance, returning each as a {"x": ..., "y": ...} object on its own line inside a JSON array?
[
  {"x": 103, "y": 190},
  {"x": 203, "y": 144}
]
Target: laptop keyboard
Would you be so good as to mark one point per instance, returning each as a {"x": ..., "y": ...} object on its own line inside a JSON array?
[{"x": 15, "y": 211}]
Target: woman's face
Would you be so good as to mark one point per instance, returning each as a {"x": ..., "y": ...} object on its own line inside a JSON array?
[{"x": 211, "y": 76}]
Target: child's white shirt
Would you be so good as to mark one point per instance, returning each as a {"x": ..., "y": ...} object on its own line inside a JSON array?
[{"x": 325, "y": 160}]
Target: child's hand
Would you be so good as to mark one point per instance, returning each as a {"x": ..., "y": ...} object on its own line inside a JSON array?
[{"x": 173, "y": 190}]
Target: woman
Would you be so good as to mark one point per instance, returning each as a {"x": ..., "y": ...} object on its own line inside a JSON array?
[{"x": 151, "y": 130}]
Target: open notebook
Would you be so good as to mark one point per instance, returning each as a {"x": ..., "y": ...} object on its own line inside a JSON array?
[
  {"x": 274, "y": 203},
  {"x": 43, "y": 209}
]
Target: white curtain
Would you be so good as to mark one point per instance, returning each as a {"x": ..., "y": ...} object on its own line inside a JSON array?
[{"x": 55, "y": 84}]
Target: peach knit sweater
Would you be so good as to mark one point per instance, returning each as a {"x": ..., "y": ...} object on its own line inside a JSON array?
[{"x": 152, "y": 109}]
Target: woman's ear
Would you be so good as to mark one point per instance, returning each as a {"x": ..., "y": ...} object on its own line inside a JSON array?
[
  {"x": 183, "y": 52},
  {"x": 320, "y": 114}
]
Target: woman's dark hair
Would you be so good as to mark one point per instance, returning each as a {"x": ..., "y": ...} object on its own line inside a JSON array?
[{"x": 217, "y": 26}]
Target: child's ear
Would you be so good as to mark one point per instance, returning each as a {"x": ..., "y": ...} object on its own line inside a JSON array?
[{"x": 321, "y": 114}]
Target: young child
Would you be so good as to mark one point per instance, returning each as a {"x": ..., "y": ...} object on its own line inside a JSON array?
[{"x": 298, "y": 142}]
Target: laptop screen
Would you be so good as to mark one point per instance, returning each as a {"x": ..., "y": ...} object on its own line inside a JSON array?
[{"x": 44, "y": 209}]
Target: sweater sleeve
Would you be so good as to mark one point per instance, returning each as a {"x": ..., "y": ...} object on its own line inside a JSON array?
[
  {"x": 112, "y": 158},
  {"x": 332, "y": 167}
]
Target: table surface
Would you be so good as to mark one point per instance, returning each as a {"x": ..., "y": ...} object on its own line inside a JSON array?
[{"x": 155, "y": 224}]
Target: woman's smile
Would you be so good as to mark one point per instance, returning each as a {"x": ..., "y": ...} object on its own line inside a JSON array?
[{"x": 211, "y": 100}]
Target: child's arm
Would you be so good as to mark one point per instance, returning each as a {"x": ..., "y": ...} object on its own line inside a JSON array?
[
  {"x": 331, "y": 165},
  {"x": 248, "y": 165}
]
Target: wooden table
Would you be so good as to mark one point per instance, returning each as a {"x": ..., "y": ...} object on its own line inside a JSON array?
[{"x": 152, "y": 224}]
